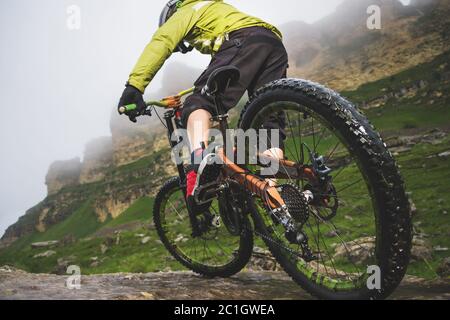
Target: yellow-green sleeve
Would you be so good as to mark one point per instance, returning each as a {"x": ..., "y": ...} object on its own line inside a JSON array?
[{"x": 163, "y": 43}]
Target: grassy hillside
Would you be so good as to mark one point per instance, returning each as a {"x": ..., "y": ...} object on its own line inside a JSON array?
[{"x": 408, "y": 110}]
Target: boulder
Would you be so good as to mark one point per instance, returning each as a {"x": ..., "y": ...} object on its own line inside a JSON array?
[
  {"x": 359, "y": 251},
  {"x": 44, "y": 244},
  {"x": 62, "y": 264},
  {"x": 45, "y": 254},
  {"x": 103, "y": 248},
  {"x": 443, "y": 269},
  {"x": 421, "y": 249},
  {"x": 440, "y": 249},
  {"x": 262, "y": 260},
  {"x": 444, "y": 154}
]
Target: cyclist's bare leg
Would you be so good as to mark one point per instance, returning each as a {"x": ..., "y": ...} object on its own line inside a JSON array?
[
  {"x": 198, "y": 125},
  {"x": 274, "y": 153}
]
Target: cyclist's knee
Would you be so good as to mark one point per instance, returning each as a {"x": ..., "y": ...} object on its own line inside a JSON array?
[{"x": 189, "y": 110}]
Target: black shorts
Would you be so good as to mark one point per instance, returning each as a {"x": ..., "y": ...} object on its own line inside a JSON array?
[{"x": 260, "y": 56}]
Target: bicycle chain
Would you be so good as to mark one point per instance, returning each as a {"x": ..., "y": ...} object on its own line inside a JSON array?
[{"x": 294, "y": 253}]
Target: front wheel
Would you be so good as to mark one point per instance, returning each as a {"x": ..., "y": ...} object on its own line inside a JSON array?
[
  {"x": 217, "y": 252},
  {"x": 359, "y": 221}
]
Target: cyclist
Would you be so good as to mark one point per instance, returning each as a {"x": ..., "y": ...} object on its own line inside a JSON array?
[{"x": 232, "y": 38}]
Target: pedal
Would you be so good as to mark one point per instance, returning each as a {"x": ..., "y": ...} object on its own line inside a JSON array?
[{"x": 209, "y": 169}]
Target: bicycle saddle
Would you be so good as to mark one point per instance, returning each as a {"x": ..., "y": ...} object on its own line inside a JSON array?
[{"x": 220, "y": 79}]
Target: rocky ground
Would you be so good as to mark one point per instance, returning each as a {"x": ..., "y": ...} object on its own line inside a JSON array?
[{"x": 17, "y": 284}]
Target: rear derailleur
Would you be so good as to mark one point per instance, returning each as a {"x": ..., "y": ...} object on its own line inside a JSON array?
[{"x": 293, "y": 215}]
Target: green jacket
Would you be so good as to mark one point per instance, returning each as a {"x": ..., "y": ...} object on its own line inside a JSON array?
[{"x": 203, "y": 24}]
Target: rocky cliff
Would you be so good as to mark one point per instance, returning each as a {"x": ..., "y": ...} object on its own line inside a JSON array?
[
  {"x": 341, "y": 52},
  {"x": 98, "y": 157},
  {"x": 62, "y": 174}
]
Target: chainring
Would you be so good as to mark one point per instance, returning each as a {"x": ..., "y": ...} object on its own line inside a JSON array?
[{"x": 232, "y": 204}]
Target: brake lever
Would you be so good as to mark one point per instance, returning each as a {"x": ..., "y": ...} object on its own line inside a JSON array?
[
  {"x": 132, "y": 118},
  {"x": 148, "y": 111}
]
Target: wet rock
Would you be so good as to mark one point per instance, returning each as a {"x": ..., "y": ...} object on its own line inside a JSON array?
[
  {"x": 45, "y": 254},
  {"x": 44, "y": 244},
  {"x": 246, "y": 285}
]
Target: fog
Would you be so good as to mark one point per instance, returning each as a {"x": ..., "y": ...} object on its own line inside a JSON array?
[{"x": 58, "y": 86}]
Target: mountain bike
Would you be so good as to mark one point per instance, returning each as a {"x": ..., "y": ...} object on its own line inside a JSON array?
[{"x": 335, "y": 215}]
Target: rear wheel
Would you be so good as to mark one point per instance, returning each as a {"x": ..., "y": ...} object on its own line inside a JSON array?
[
  {"x": 217, "y": 252},
  {"x": 360, "y": 215}
]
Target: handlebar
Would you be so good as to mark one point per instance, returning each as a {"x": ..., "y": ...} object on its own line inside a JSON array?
[{"x": 168, "y": 102}]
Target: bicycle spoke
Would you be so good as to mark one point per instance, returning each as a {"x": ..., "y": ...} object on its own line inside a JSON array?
[
  {"x": 293, "y": 138},
  {"x": 348, "y": 194},
  {"x": 320, "y": 138},
  {"x": 332, "y": 228},
  {"x": 328, "y": 158}
]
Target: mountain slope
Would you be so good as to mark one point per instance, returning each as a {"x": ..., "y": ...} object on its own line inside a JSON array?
[
  {"x": 399, "y": 77},
  {"x": 413, "y": 120},
  {"x": 341, "y": 52}
]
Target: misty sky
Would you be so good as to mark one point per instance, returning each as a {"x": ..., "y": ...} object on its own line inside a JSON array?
[{"x": 58, "y": 86}]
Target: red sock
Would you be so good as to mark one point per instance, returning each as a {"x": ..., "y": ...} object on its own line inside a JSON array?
[{"x": 191, "y": 179}]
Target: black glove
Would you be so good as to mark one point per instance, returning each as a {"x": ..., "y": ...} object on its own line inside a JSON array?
[{"x": 131, "y": 95}]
